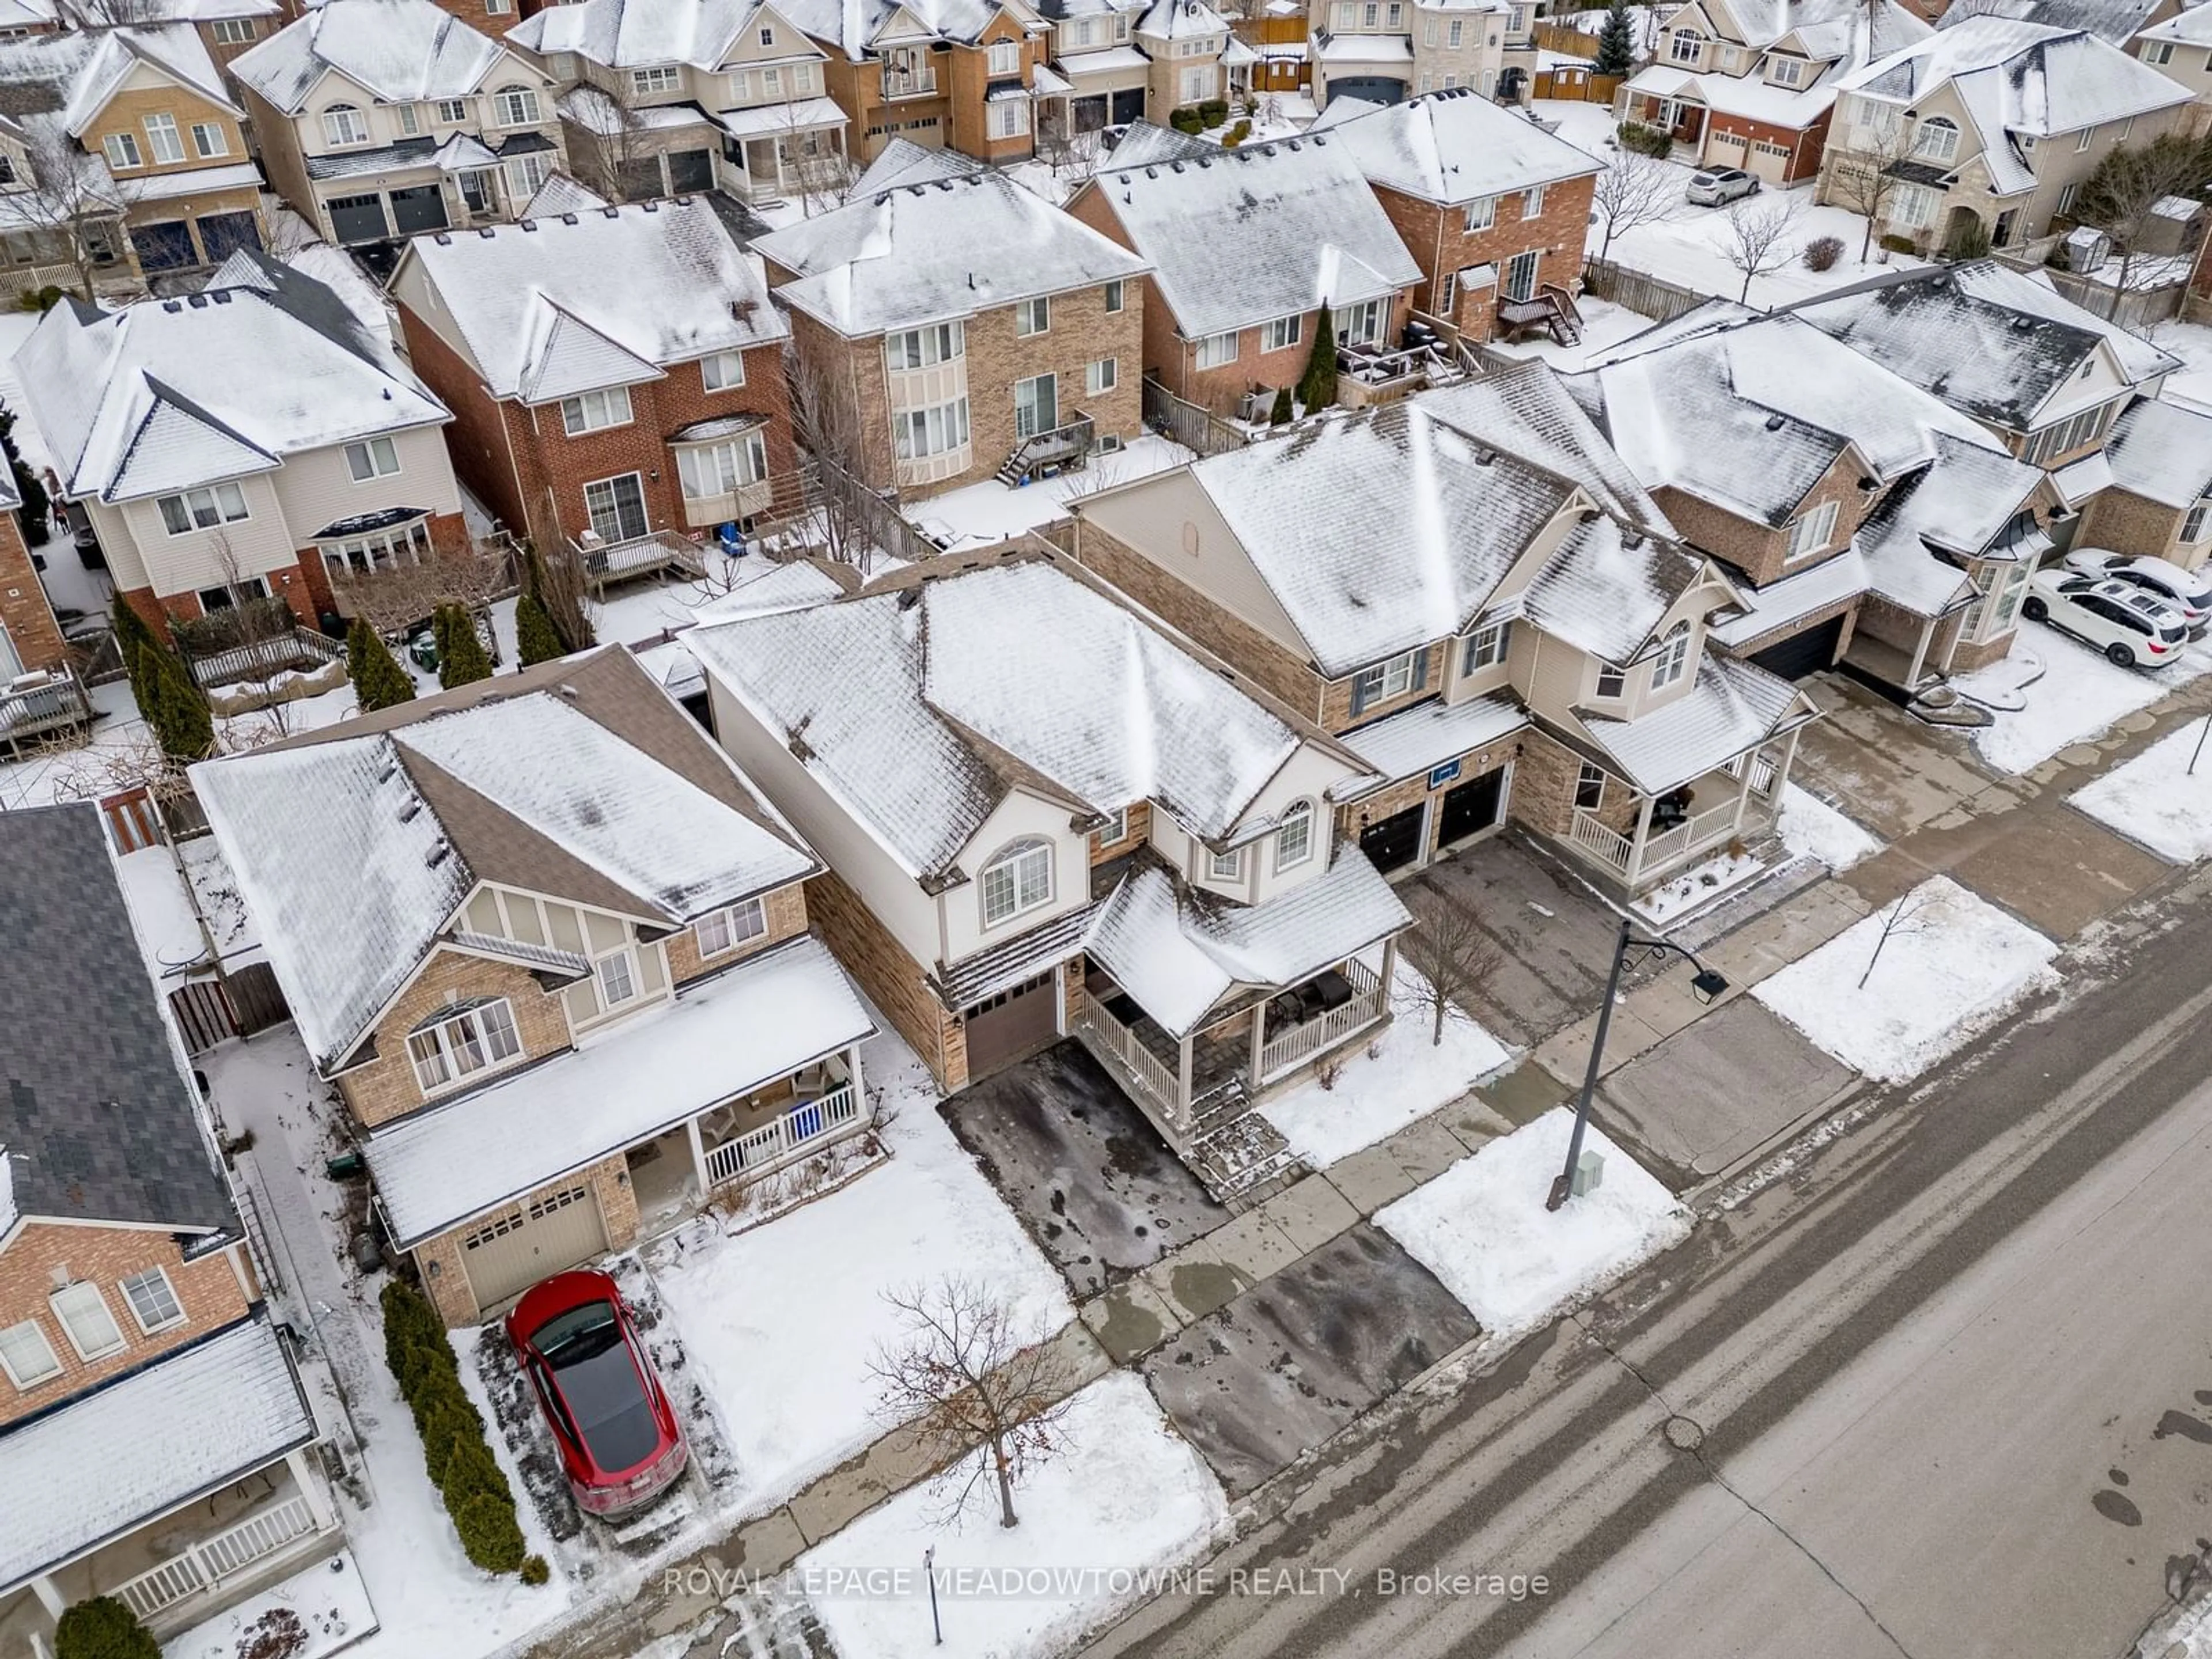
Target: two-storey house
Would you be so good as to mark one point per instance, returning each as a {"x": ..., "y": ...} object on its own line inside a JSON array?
[
  {"x": 1119, "y": 61},
  {"x": 384, "y": 119},
  {"x": 1246, "y": 249},
  {"x": 2158, "y": 504},
  {"x": 155, "y": 1444},
  {"x": 2181, "y": 48},
  {"x": 1809, "y": 473},
  {"x": 243, "y": 442},
  {"x": 960, "y": 329},
  {"x": 1382, "y": 52},
  {"x": 1992, "y": 126},
  {"x": 1752, "y": 86},
  {"x": 615, "y": 375},
  {"x": 1494, "y": 209},
  {"x": 1045, "y": 815},
  {"x": 226, "y": 27},
  {"x": 552, "y": 949},
  {"x": 1476, "y": 595},
  {"x": 40, "y": 694},
  {"x": 668, "y": 97}
]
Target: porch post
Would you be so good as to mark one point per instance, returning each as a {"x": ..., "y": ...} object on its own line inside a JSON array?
[
  {"x": 1636, "y": 842},
  {"x": 1920, "y": 653},
  {"x": 1390, "y": 967},
  {"x": 1182, "y": 1081},
  {"x": 860, "y": 1094},
  {"x": 310, "y": 1482},
  {"x": 1259, "y": 1038},
  {"x": 39, "y": 1647},
  {"x": 1743, "y": 787},
  {"x": 1789, "y": 761},
  {"x": 49, "y": 1598},
  {"x": 698, "y": 1155}
]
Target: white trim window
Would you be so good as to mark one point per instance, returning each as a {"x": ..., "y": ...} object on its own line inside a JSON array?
[
  {"x": 1113, "y": 831},
  {"x": 1115, "y": 295},
  {"x": 410, "y": 123},
  {"x": 659, "y": 77},
  {"x": 919, "y": 434},
  {"x": 383, "y": 550},
  {"x": 86, "y": 1320},
  {"x": 1226, "y": 866},
  {"x": 1785, "y": 71},
  {"x": 1360, "y": 324},
  {"x": 461, "y": 1043},
  {"x": 515, "y": 107},
  {"x": 1532, "y": 203},
  {"x": 344, "y": 124},
  {"x": 153, "y": 1300},
  {"x": 1217, "y": 350},
  {"x": 1935, "y": 139},
  {"x": 1406, "y": 672},
  {"x": 1673, "y": 660},
  {"x": 26, "y": 1356},
  {"x": 2064, "y": 436},
  {"x": 1812, "y": 532},
  {"x": 234, "y": 31},
  {"x": 163, "y": 142},
  {"x": 209, "y": 141},
  {"x": 526, "y": 173},
  {"x": 121, "y": 149},
  {"x": 1294, "y": 837},
  {"x": 1009, "y": 118},
  {"x": 372, "y": 457},
  {"x": 1590, "y": 787},
  {"x": 452, "y": 111},
  {"x": 1611, "y": 681},
  {"x": 1004, "y": 57},
  {"x": 1016, "y": 881},
  {"x": 2158, "y": 53},
  {"x": 202, "y": 510},
  {"x": 1482, "y": 213},
  {"x": 925, "y": 348},
  {"x": 615, "y": 976},
  {"x": 725, "y": 930},
  {"x": 725, "y": 371},
  {"x": 721, "y": 469},
  {"x": 1487, "y": 646},
  {"x": 1102, "y": 377},
  {"x": 1281, "y": 333},
  {"x": 1683, "y": 45},
  {"x": 1032, "y": 316},
  {"x": 2089, "y": 137},
  {"x": 2196, "y": 521},
  {"x": 595, "y": 411},
  {"x": 1914, "y": 207}
]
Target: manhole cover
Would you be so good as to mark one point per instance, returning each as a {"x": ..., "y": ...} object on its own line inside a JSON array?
[{"x": 1684, "y": 1433}]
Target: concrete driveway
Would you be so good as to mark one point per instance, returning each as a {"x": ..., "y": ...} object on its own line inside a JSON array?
[
  {"x": 1088, "y": 1174},
  {"x": 1293, "y": 1360}
]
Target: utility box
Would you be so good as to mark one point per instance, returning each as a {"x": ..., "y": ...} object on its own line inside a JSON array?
[{"x": 1589, "y": 1173}]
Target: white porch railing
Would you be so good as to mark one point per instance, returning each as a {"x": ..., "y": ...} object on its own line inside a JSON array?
[
  {"x": 1608, "y": 846},
  {"x": 1762, "y": 774},
  {"x": 1693, "y": 835},
  {"x": 208, "y": 1562},
  {"x": 1302, "y": 1043},
  {"x": 658, "y": 550},
  {"x": 809, "y": 1122},
  {"x": 1159, "y": 1079}
]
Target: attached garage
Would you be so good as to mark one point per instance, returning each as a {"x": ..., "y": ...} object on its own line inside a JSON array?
[
  {"x": 1468, "y": 809},
  {"x": 1001, "y": 1029},
  {"x": 1805, "y": 653},
  {"x": 1395, "y": 842},
  {"x": 1770, "y": 162},
  {"x": 358, "y": 219},
  {"x": 165, "y": 246},
  {"x": 222, "y": 234},
  {"x": 1371, "y": 88},
  {"x": 505, "y": 1255},
  {"x": 417, "y": 209},
  {"x": 1726, "y": 149}
]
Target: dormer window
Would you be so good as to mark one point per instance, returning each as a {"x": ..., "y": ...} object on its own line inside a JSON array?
[
  {"x": 1611, "y": 681},
  {"x": 1227, "y": 866},
  {"x": 1786, "y": 72},
  {"x": 1673, "y": 659},
  {"x": 457, "y": 1044},
  {"x": 1683, "y": 45},
  {"x": 1812, "y": 533}
]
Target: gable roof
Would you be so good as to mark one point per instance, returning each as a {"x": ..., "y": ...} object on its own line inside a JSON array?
[
  {"x": 2163, "y": 453},
  {"x": 77, "y": 73},
  {"x": 265, "y": 361},
  {"x": 1257, "y": 232},
  {"x": 1144, "y": 145},
  {"x": 927, "y": 254},
  {"x": 97, "y": 1120},
  {"x": 1825, "y": 29},
  {"x": 2191, "y": 26},
  {"x": 1457, "y": 147},
  {"x": 578, "y": 778},
  {"x": 952, "y": 691},
  {"x": 2112, "y": 21},
  {"x": 606, "y": 296},
  {"x": 905, "y": 162},
  {"x": 2016, "y": 78},
  {"x": 402, "y": 51},
  {"x": 856, "y": 26},
  {"x": 641, "y": 33},
  {"x": 1987, "y": 340}
]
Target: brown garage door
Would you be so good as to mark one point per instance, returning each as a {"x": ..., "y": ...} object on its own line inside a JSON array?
[{"x": 1002, "y": 1029}]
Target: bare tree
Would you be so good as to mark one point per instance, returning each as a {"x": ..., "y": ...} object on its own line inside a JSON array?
[
  {"x": 985, "y": 1394},
  {"x": 1911, "y": 915},
  {"x": 71, "y": 203},
  {"x": 1636, "y": 190},
  {"x": 619, "y": 144},
  {"x": 2121, "y": 198},
  {"x": 395, "y": 597},
  {"x": 825, "y": 421},
  {"x": 113, "y": 14},
  {"x": 1758, "y": 242},
  {"x": 1455, "y": 955},
  {"x": 1863, "y": 175}
]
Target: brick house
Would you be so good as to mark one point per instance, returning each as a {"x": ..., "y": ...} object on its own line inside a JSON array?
[
  {"x": 1993, "y": 124},
  {"x": 1494, "y": 209},
  {"x": 668, "y": 97},
  {"x": 384, "y": 119},
  {"x": 584, "y": 997},
  {"x": 2158, "y": 504},
  {"x": 1862, "y": 520},
  {"x": 615, "y": 375},
  {"x": 1754, "y": 87},
  {"x": 1473, "y": 592},
  {"x": 1382, "y": 52},
  {"x": 1007, "y": 869},
  {"x": 242, "y": 442},
  {"x": 39, "y": 690},
  {"x": 155, "y": 1438},
  {"x": 1246, "y": 247},
  {"x": 963, "y": 328}
]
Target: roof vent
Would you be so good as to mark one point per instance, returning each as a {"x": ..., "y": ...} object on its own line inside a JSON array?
[
  {"x": 567, "y": 690},
  {"x": 567, "y": 218},
  {"x": 486, "y": 233},
  {"x": 652, "y": 207},
  {"x": 1775, "y": 423},
  {"x": 408, "y": 808},
  {"x": 439, "y": 853},
  {"x": 1150, "y": 172},
  {"x": 388, "y": 771},
  {"x": 1175, "y": 167},
  {"x": 173, "y": 304},
  {"x": 221, "y": 296},
  {"x": 197, "y": 301},
  {"x": 2023, "y": 324},
  {"x": 527, "y": 224}
]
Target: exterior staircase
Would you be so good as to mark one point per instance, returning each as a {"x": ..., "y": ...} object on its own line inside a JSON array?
[
  {"x": 1047, "y": 454},
  {"x": 1238, "y": 1156},
  {"x": 1551, "y": 310}
]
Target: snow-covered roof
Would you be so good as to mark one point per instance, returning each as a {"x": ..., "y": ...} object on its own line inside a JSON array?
[
  {"x": 196, "y": 1421},
  {"x": 645, "y": 33},
  {"x": 1604, "y": 590},
  {"x": 1731, "y": 706},
  {"x": 2019, "y": 77},
  {"x": 77, "y": 73},
  {"x": 264, "y": 362},
  {"x": 2192, "y": 26},
  {"x": 561, "y": 194},
  {"x": 1458, "y": 146},
  {"x": 1257, "y": 232},
  {"x": 183, "y": 11},
  {"x": 2115, "y": 20},
  {"x": 1179, "y": 953},
  {"x": 1966, "y": 505},
  {"x": 1761, "y": 23},
  {"x": 1181, "y": 20},
  {"x": 2163, "y": 453},
  {"x": 762, "y": 587},
  {"x": 857, "y": 26},
  {"x": 1777, "y": 605},
  {"x": 1146, "y": 145},
  {"x": 905, "y": 162},
  {"x": 1383, "y": 529},
  {"x": 402, "y": 51},
  {"x": 1412, "y": 741},
  {"x": 951, "y": 692},
  {"x": 607, "y": 297},
  {"x": 1987, "y": 340},
  {"x": 781, "y": 121},
  {"x": 927, "y": 254},
  {"x": 354, "y": 845},
  {"x": 1347, "y": 49},
  {"x": 757, "y": 1022}
]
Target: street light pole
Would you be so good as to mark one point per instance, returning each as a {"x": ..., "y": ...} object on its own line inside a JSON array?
[{"x": 1705, "y": 985}]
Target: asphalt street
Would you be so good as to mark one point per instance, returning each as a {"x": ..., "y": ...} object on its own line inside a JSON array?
[{"x": 1941, "y": 1387}]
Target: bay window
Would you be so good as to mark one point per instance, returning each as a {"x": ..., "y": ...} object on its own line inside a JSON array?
[{"x": 920, "y": 433}]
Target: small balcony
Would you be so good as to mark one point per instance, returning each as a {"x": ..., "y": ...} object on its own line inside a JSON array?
[
  {"x": 919, "y": 80},
  {"x": 608, "y": 562},
  {"x": 1369, "y": 374},
  {"x": 39, "y": 705},
  {"x": 1731, "y": 802},
  {"x": 1047, "y": 454}
]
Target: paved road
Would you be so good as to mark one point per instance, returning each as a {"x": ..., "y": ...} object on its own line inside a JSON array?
[{"x": 1949, "y": 1385}]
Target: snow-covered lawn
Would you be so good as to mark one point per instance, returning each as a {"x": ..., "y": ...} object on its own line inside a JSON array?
[
  {"x": 1125, "y": 1497},
  {"x": 1604, "y": 325},
  {"x": 1954, "y": 963},
  {"x": 2077, "y": 697},
  {"x": 1481, "y": 1226},
  {"x": 1810, "y": 828},
  {"x": 978, "y": 515},
  {"x": 1699, "y": 885},
  {"x": 2152, "y": 798},
  {"x": 782, "y": 1319},
  {"x": 2192, "y": 344},
  {"x": 321, "y": 1608},
  {"x": 1408, "y": 1077}
]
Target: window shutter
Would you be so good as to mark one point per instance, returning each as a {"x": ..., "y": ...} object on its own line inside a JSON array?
[
  {"x": 1420, "y": 668},
  {"x": 1358, "y": 693}
]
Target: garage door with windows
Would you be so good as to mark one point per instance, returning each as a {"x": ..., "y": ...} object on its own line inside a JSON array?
[
  {"x": 507, "y": 1254},
  {"x": 1003, "y": 1028},
  {"x": 1393, "y": 843},
  {"x": 1805, "y": 653},
  {"x": 1725, "y": 149}
]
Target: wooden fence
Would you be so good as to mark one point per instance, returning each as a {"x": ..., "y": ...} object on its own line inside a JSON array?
[
  {"x": 1188, "y": 424},
  {"x": 1639, "y": 290},
  {"x": 302, "y": 647},
  {"x": 210, "y": 1011},
  {"x": 2141, "y": 306},
  {"x": 1572, "y": 83}
]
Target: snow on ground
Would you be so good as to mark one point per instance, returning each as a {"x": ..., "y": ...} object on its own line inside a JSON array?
[
  {"x": 978, "y": 515},
  {"x": 1407, "y": 1077},
  {"x": 781, "y": 1321},
  {"x": 2153, "y": 800},
  {"x": 1604, "y": 325},
  {"x": 1688, "y": 246},
  {"x": 1810, "y": 828},
  {"x": 1697, "y": 885},
  {"x": 1125, "y": 1497},
  {"x": 322, "y": 1608},
  {"x": 2078, "y": 696},
  {"x": 168, "y": 935},
  {"x": 1481, "y": 1226},
  {"x": 1953, "y": 964}
]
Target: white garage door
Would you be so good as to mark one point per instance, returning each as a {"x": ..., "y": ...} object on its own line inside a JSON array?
[
  {"x": 1725, "y": 149},
  {"x": 509, "y": 1253},
  {"x": 1770, "y": 162}
]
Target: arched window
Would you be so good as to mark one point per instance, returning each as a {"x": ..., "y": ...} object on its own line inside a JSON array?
[
  {"x": 1018, "y": 878},
  {"x": 1673, "y": 659},
  {"x": 1684, "y": 45},
  {"x": 515, "y": 106},
  {"x": 1294, "y": 838},
  {"x": 1935, "y": 139},
  {"x": 343, "y": 124}
]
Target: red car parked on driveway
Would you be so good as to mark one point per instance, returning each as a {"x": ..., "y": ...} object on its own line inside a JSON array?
[{"x": 618, "y": 1438}]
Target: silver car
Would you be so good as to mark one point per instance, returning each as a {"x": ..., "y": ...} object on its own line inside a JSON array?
[{"x": 1718, "y": 186}]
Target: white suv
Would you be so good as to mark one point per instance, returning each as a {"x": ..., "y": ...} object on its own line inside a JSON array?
[{"x": 2132, "y": 627}]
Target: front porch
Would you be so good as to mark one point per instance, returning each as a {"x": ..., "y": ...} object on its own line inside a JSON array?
[{"x": 1669, "y": 829}]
